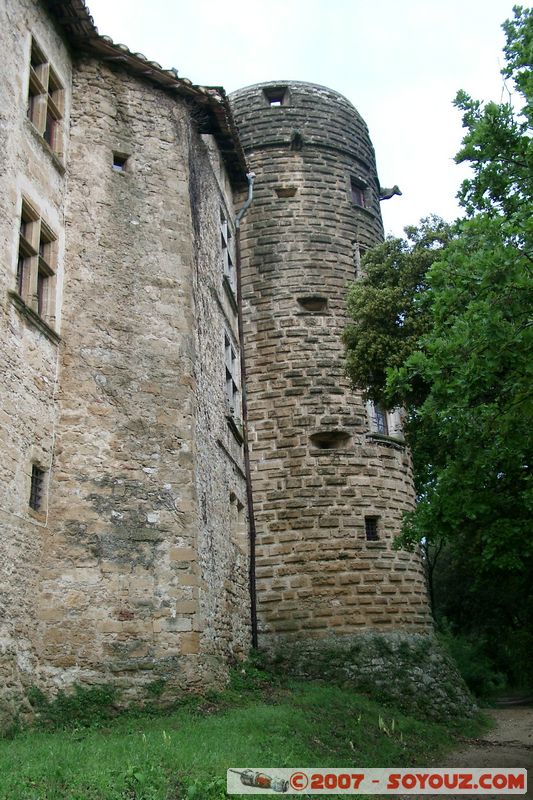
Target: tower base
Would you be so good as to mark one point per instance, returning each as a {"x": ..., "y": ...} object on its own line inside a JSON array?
[{"x": 411, "y": 671}]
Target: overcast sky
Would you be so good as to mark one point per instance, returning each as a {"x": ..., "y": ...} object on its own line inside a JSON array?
[{"x": 400, "y": 62}]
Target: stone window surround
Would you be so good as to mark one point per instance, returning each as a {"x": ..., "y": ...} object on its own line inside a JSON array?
[
  {"x": 46, "y": 100},
  {"x": 37, "y": 265}
]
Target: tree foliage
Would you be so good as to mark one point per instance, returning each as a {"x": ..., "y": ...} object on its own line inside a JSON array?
[
  {"x": 389, "y": 305},
  {"x": 442, "y": 323}
]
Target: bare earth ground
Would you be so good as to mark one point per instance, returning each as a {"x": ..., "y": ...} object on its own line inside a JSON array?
[{"x": 509, "y": 744}]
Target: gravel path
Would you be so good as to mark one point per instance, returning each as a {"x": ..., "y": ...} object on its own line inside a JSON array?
[{"x": 509, "y": 744}]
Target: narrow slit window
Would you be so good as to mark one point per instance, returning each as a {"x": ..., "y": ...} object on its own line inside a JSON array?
[
  {"x": 371, "y": 529},
  {"x": 36, "y": 489}
]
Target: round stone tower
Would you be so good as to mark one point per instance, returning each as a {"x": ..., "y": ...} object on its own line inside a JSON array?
[{"x": 331, "y": 475}]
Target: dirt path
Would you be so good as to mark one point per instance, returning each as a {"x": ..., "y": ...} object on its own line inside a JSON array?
[{"x": 509, "y": 744}]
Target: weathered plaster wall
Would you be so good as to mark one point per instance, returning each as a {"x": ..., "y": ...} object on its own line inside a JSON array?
[
  {"x": 317, "y": 574},
  {"x": 28, "y": 358}
]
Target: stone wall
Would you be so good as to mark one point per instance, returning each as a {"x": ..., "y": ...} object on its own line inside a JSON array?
[
  {"x": 29, "y": 352},
  {"x": 318, "y": 470},
  {"x": 135, "y": 568},
  {"x": 219, "y": 467},
  {"x": 135, "y": 565},
  {"x": 139, "y": 556}
]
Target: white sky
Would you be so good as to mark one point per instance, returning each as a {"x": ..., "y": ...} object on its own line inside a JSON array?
[{"x": 400, "y": 62}]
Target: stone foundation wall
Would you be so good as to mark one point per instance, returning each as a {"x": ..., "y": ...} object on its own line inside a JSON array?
[{"x": 408, "y": 671}]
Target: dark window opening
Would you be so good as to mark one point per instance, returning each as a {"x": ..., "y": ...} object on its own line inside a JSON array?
[
  {"x": 358, "y": 191},
  {"x": 119, "y": 162},
  {"x": 20, "y": 273},
  {"x": 32, "y": 104},
  {"x": 41, "y": 292},
  {"x": 37, "y": 56},
  {"x": 297, "y": 141},
  {"x": 371, "y": 529},
  {"x": 276, "y": 96},
  {"x": 36, "y": 491},
  {"x": 313, "y": 303},
  {"x": 286, "y": 191},
  {"x": 49, "y": 134},
  {"x": 330, "y": 440}
]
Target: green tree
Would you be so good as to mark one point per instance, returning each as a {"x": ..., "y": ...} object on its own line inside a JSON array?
[{"x": 445, "y": 317}]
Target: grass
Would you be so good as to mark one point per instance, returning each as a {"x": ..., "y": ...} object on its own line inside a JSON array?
[{"x": 185, "y": 753}]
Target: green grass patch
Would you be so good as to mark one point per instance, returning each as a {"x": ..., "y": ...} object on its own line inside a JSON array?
[{"x": 184, "y": 754}]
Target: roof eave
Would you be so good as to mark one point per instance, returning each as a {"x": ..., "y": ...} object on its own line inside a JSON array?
[{"x": 217, "y": 119}]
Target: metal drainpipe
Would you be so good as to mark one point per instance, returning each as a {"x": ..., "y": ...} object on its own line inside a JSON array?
[{"x": 249, "y": 495}]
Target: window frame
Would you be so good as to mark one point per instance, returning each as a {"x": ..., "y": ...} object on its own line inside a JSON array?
[
  {"x": 46, "y": 99},
  {"x": 380, "y": 419},
  {"x": 36, "y": 273}
]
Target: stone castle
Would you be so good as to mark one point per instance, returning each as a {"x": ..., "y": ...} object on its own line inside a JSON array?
[{"x": 186, "y": 468}]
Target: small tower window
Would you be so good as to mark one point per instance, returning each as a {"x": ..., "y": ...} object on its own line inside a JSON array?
[
  {"x": 371, "y": 529},
  {"x": 276, "y": 96},
  {"x": 358, "y": 191}
]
